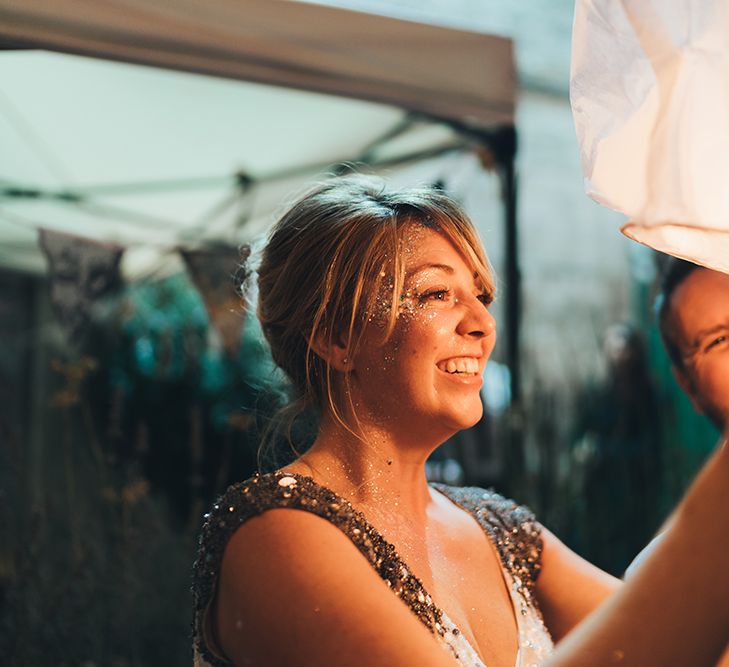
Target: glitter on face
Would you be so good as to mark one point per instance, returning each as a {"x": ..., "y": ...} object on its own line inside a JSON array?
[{"x": 441, "y": 316}]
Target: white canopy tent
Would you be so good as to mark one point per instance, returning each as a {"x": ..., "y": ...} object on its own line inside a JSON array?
[
  {"x": 149, "y": 157},
  {"x": 445, "y": 73}
]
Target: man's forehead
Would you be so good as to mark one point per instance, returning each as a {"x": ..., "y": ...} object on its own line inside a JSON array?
[{"x": 700, "y": 303}]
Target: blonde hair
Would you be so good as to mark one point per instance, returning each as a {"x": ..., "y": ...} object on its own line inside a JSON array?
[{"x": 332, "y": 262}]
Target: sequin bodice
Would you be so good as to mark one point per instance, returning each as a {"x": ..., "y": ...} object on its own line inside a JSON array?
[{"x": 511, "y": 527}]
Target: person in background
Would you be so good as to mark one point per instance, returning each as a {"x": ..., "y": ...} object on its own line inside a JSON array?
[
  {"x": 619, "y": 455},
  {"x": 693, "y": 318}
]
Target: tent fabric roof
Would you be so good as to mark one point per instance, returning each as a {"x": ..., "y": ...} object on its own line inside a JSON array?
[
  {"x": 151, "y": 158},
  {"x": 143, "y": 156},
  {"x": 444, "y": 73}
]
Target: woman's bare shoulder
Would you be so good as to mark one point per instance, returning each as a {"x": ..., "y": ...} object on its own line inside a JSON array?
[{"x": 294, "y": 589}]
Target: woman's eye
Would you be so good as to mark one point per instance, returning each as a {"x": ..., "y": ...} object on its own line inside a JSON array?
[
  {"x": 435, "y": 295},
  {"x": 485, "y": 298}
]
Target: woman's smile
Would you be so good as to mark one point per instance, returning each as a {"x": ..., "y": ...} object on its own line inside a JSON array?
[
  {"x": 462, "y": 370},
  {"x": 459, "y": 366}
]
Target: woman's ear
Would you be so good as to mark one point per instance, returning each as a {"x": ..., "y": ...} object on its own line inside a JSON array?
[{"x": 333, "y": 352}]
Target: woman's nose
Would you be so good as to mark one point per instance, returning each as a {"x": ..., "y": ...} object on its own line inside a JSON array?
[{"x": 477, "y": 321}]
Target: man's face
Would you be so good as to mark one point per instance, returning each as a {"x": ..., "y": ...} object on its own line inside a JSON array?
[{"x": 700, "y": 313}]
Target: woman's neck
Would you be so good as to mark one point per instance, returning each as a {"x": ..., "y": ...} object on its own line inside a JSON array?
[{"x": 372, "y": 471}]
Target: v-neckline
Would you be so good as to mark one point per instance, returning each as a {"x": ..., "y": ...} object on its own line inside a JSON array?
[
  {"x": 505, "y": 574},
  {"x": 360, "y": 515}
]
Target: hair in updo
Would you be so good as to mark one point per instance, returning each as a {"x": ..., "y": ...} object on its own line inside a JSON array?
[{"x": 332, "y": 263}]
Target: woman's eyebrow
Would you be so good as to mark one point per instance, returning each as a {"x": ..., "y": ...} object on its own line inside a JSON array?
[{"x": 429, "y": 265}]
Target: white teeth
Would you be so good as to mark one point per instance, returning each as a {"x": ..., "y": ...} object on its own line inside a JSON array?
[{"x": 465, "y": 365}]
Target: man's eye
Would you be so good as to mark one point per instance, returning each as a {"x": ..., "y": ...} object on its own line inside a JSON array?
[{"x": 714, "y": 342}]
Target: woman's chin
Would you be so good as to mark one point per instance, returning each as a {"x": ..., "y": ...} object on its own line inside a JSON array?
[{"x": 465, "y": 418}]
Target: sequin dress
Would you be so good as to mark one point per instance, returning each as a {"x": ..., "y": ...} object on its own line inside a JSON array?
[{"x": 511, "y": 527}]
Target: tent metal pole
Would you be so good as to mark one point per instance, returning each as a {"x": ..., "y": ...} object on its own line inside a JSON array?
[
  {"x": 502, "y": 144},
  {"x": 512, "y": 275}
]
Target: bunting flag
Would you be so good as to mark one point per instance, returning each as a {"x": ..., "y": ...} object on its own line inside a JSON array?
[
  {"x": 221, "y": 275},
  {"x": 650, "y": 97},
  {"x": 81, "y": 273}
]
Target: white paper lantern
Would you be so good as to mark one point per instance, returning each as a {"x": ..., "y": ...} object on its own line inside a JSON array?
[{"x": 650, "y": 98}]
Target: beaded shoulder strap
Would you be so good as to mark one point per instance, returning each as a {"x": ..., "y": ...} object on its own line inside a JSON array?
[
  {"x": 513, "y": 529},
  {"x": 247, "y": 499}
]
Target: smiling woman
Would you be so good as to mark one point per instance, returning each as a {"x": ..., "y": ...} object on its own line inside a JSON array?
[
  {"x": 344, "y": 267},
  {"x": 375, "y": 303}
]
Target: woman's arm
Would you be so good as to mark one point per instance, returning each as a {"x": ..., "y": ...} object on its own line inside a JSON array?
[
  {"x": 569, "y": 588},
  {"x": 674, "y": 610},
  {"x": 294, "y": 590}
]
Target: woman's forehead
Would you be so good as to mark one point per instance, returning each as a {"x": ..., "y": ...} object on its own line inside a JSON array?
[{"x": 426, "y": 249}]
